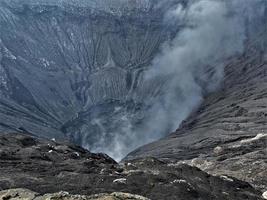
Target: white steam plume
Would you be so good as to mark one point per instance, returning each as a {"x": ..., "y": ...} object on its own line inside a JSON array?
[
  {"x": 187, "y": 66},
  {"x": 211, "y": 36}
]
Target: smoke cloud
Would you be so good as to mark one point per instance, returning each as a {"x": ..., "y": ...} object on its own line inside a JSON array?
[
  {"x": 188, "y": 66},
  {"x": 193, "y": 61}
]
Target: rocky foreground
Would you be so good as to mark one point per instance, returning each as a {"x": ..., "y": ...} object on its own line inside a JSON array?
[
  {"x": 18, "y": 194},
  {"x": 45, "y": 166}
]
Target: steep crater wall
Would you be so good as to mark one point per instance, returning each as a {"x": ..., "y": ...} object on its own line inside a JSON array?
[{"x": 73, "y": 70}]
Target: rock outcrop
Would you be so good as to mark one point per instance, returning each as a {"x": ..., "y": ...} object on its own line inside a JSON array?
[
  {"x": 21, "y": 194},
  {"x": 46, "y": 167}
]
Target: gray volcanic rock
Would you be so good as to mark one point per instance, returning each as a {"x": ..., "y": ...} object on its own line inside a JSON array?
[
  {"x": 227, "y": 134},
  {"x": 45, "y": 166},
  {"x": 18, "y": 194}
]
